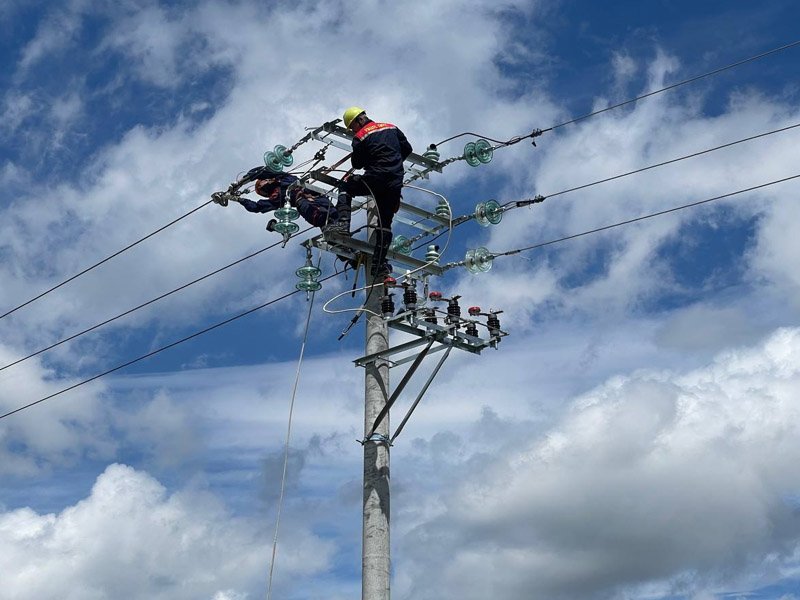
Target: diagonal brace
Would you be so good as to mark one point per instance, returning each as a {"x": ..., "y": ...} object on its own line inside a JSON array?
[
  {"x": 399, "y": 389},
  {"x": 421, "y": 394}
]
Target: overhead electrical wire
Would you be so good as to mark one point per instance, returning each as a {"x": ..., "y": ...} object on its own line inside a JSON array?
[
  {"x": 507, "y": 142},
  {"x": 643, "y": 217},
  {"x": 669, "y": 162},
  {"x": 498, "y": 254},
  {"x": 105, "y": 260},
  {"x": 158, "y": 350},
  {"x": 678, "y": 84},
  {"x": 469, "y": 217},
  {"x": 537, "y": 132},
  {"x": 148, "y": 303},
  {"x": 510, "y": 141}
]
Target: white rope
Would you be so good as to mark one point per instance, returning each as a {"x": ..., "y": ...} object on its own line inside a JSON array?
[{"x": 286, "y": 448}]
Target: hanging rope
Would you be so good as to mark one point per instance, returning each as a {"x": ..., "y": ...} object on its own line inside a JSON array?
[{"x": 286, "y": 448}]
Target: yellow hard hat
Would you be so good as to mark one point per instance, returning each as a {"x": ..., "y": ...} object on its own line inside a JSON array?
[{"x": 350, "y": 114}]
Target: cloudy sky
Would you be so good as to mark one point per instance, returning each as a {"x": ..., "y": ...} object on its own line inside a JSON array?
[{"x": 637, "y": 436}]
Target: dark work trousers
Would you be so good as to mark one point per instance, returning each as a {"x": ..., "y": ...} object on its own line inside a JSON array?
[
  {"x": 387, "y": 200},
  {"x": 317, "y": 210}
]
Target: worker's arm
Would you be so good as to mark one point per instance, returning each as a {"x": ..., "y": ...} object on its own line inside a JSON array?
[
  {"x": 358, "y": 160},
  {"x": 260, "y": 206},
  {"x": 405, "y": 147}
]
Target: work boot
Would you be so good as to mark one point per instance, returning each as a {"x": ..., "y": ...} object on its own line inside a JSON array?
[
  {"x": 343, "y": 210},
  {"x": 335, "y": 228}
]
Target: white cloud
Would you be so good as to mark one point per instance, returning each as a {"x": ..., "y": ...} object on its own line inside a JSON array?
[
  {"x": 649, "y": 477},
  {"x": 130, "y": 538},
  {"x": 59, "y": 435}
]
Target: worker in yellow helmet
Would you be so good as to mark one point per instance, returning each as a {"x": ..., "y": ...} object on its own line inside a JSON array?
[{"x": 379, "y": 149}]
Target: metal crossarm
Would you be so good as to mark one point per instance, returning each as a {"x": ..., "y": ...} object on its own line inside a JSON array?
[
  {"x": 351, "y": 247},
  {"x": 399, "y": 349},
  {"x": 458, "y": 339}
]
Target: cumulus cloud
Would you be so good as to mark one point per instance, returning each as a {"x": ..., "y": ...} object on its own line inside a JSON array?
[
  {"x": 665, "y": 477},
  {"x": 60, "y": 436},
  {"x": 652, "y": 476},
  {"x": 130, "y": 538}
]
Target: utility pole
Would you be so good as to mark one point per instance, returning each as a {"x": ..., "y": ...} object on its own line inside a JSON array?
[
  {"x": 375, "y": 552},
  {"x": 430, "y": 329}
]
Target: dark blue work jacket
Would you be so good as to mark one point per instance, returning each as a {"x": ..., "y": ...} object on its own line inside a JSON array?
[{"x": 380, "y": 149}]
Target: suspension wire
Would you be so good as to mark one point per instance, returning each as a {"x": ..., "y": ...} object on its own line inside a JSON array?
[
  {"x": 505, "y": 143},
  {"x": 648, "y": 216},
  {"x": 666, "y": 162},
  {"x": 106, "y": 259},
  {"x": 525, "y": 202},
  {"x": 508, "y": 142},
  {"x": 680, "y": 83},
  {"x": 159, "y": 350},
  {"x": 148, "y": 303},
  {"x": 275, "y": 300},
  {"x": 286, "y": 448},
  {"x": 536, "y": 132}
]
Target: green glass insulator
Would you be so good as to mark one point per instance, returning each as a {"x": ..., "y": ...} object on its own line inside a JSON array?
[
  {"x": 483, "y": 151},
  {"x": 283, "y": 227},
  {"x": 470, "y": 155},
  {"x": 469, "y": 261},
  {"x": 478, "y": 260},
  {"x": 432, "y": 155},
  {"x": 272, "y": 161},
  {"x": 287, "y": 213},
  {"x": 480, "y": 214},
  {"x": 484, "y": 259},
  {"x": 443, "y": 209},
  {"x": 494, "y": 212},
  {"x": 308, "y": 272},
  {"x": 432, "y": 255},
  {"x": 488, "y": 213},
  {"x": 286, "y": 159},
  {"x": 401, "y": 245},
  {"x": 308, "y": 286}
]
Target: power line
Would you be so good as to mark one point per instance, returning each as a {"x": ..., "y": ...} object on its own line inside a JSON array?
[
  {"x": 159, "y": 350},
  {"x": 678, "y": 84},
  {"x": 669, "y": 162},
  {"x": 642, "y": 218},
  {"x": 537, "y": 132},
  {"x": 106, "y": 259},
  {"x": 148, "y": 303},
  {"x": 469, "y": 217}
]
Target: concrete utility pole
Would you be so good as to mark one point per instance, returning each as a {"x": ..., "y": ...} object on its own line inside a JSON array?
[{"x": 375, "y": 556}]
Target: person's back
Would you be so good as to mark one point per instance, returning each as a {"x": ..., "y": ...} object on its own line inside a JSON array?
[{"x": 380, "y": 149}]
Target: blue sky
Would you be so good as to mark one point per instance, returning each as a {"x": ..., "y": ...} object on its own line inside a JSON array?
[{"x": 636, "y": 435}]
